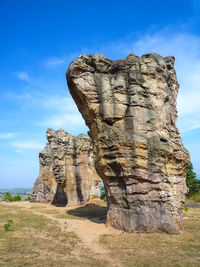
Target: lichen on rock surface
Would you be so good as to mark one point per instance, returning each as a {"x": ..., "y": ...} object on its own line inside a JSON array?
[
  {"x": 129, "y": 106},
  {"x": 67, "y": 172}
]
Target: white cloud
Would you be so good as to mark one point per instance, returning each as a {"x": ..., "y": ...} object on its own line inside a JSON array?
[
  {"x": 23, "y": 75},
  {"x": 56, "y": 111},
  {"x": 51, "y": 102},
  {"x": 62, "y": 113},
  {"x": 64, "y": 120},
  {"x": 54, "y": 62},
  {"x": 21, "y": 96},
  {"x": 191, "y": 127},
  {"x": 58, "y": 103},
  {"x": 20, "y": 145},
  {"x": 6, "y": 135}
]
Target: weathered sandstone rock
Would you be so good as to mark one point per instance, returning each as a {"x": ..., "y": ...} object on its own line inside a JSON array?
[
  {"x": 130, "y": 107},
  {"x": 45, "y": 185},
  {"x": 67, "y": 172}
]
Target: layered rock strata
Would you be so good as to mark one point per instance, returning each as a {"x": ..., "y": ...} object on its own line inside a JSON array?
[
  {"x": 67, "y": 172},
  {"x": 130, "y": 107}
]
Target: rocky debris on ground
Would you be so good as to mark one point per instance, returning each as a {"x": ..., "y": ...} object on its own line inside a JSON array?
[
  {"x": 67, "y": 173},
  {"x": 129, "y": 106}
]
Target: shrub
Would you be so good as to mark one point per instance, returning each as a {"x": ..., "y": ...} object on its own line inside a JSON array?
[
  {"x": 16, "y": 198},
  {"x": 8, "y": 225},
  {"x": 7, "y": 196},
  {"x": 10, "y": 198},
  {"x": 28, "y": 198}
]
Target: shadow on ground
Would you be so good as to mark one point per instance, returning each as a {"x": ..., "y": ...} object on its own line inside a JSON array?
[
  {"x": 192, "y": 204},
  {"x": 91, "y": 212},
  {"x": 60, "y": 198}
]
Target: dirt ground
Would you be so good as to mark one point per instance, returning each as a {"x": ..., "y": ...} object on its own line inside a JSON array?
[{"x": 88, "y": 230}]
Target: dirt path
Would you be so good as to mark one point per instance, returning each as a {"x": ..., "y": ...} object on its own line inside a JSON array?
[{"x": 88, "y": 231}]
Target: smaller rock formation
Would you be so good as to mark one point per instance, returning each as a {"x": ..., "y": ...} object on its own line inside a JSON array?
[{"x": 67, "y": 172}]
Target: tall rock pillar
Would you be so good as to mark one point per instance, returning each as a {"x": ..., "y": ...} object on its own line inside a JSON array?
[{"x": 129, "y": 106}]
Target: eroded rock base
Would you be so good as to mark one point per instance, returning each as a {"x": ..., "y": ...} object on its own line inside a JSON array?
[{"x": 128, "y": 211}]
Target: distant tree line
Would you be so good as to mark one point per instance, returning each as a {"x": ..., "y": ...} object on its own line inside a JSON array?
[{"x": 8, "y": 197}]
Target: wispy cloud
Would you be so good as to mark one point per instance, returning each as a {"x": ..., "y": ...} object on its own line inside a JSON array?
[
  {"x": 192, "y": 127},
  {"x": 63, "y": 120},
  {"x": 7, "y": 135},
  {"x": 56, "y": 111},
  {"x": 58, "y": 103},
  {"x": 23, "y": 75},
  {"x": 19, "y": 96},
  {"x": 64, "y": 114},
  {"x": 51, "y": 102},
  {"x": 54, "y": 62},
  {"x": 27, "y": 145}
]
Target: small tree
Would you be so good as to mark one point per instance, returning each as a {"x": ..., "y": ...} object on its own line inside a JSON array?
[
  {"x": 16, "y": 198},
  {"x": 192, "y": 182},
  {"x": 7, "y": 196}
]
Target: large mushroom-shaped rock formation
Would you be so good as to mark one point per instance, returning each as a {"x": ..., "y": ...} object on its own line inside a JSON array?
[
  {"x": 67, "y": 172},
  {"x": 129, "y": 106}
]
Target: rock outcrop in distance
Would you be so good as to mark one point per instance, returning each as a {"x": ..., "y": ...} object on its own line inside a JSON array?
[
  {"x": 129, "y": 106},
  {"x": 67, "y": 173}
]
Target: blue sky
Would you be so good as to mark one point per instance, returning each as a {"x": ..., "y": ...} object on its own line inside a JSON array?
[{"x": 38, "y": 40}]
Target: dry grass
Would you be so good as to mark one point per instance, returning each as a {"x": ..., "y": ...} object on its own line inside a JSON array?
[
  {"x": 36, "y": 241},
  {"x": 158, "y": 249}
]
